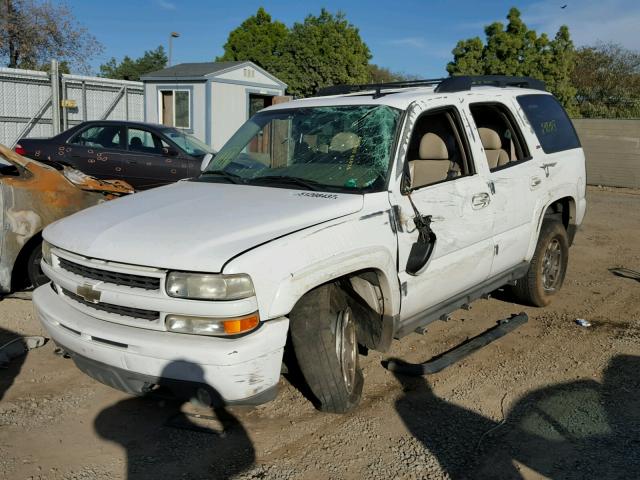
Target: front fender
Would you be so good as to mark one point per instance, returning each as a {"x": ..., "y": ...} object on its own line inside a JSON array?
[{"x": 284, "y": 269}]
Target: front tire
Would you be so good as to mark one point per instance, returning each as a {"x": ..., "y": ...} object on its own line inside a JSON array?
[
  {"x": 323, "y": 333},
  {"x": 34, "y": 271},
  {"x": 547, "y": 268}
]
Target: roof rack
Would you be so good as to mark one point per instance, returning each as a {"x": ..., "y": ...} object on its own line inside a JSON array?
[
  {"x": 377, "y": 87},
  {"x": 443, "y": 85},
  {"x": 464, "y": 82}
]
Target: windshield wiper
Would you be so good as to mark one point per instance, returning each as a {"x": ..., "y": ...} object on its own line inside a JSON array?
[
  {"x": 285, "y": 180},
  {"x": 232, "y": 177}
]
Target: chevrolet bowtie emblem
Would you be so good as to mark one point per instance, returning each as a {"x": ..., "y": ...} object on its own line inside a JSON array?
[{"x": 88, "y": 293}]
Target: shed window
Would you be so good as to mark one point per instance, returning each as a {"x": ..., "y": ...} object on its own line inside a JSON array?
[{"x": 175, "y": 108}]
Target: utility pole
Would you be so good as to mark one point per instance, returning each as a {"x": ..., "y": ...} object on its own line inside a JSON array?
[
  {"x": 171, "y": 37},
  {"x": 55, "y": 97}
]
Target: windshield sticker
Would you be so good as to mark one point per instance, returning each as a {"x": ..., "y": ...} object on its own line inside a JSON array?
[{"x": 331, "y": 196}]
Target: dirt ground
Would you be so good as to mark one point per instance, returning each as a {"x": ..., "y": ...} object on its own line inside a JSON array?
[{"x": 551, "y": 400}]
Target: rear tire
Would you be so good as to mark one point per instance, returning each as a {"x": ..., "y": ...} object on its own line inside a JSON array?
[
  {"x": 547, "y": 268},
  {"x": 323, "y": 332},
  {"x": 34, "y": 271}
]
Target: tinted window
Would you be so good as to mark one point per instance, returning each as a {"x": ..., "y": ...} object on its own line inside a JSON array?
[
  {"x": 550, "y": 122},
  {"x": 106, "y": 136},
  {"x": 143, "y": 141}
]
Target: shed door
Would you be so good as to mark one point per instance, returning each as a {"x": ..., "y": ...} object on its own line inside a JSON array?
[{"x": 167, "y": 107}]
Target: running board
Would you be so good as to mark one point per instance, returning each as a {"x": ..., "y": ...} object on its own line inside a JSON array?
[{"x": 442, "y": 361}]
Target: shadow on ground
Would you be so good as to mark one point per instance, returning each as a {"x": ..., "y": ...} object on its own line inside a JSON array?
[
  {"x": 576, "y": 430},
  {"x": 162, "y": 442},
  {"x": 12, "y": 369}
]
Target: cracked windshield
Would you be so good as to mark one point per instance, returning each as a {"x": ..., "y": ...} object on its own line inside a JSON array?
[{"x": 345, "y": 149}]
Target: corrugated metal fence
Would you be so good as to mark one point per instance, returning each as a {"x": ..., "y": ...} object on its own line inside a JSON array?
[
  {"x": 612, "y": 148},
  {"x": 27, "y": 96}
]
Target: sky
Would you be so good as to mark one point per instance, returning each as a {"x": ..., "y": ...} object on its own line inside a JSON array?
[{"x": 410, "y": 36}]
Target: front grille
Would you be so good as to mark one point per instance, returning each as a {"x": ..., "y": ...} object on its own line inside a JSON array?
[
  {"x": 126, "y": 279},
  {"x": 117, "y": 309}
]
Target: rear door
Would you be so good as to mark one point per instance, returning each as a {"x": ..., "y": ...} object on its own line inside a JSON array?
[
  {"x": 514, "y": 177},
  {"x": 96, "y": 150},
  {"x": 448, "y": 186},
  {"x": 148, "y": 163}
]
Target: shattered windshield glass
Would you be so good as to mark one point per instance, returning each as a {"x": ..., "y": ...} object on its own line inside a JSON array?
[{"x": 343, "y": 148}]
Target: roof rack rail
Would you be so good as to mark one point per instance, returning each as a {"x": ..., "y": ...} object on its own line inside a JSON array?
[
  {"x": 443, "y": 85},
  {"x": 465, "y": 82},
  {"x": 376, "y": 87}
]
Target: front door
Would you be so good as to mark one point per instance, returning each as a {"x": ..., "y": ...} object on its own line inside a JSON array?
[
  {"x": 147, "y": 164},
  {"x": 446, "y": 185}
]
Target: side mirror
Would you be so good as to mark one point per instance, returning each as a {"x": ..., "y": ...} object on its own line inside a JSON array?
[
  {"x": 422, "y": 249},
  {"x": 206, "y": 160},
  {"x": 170, "y": 151}
]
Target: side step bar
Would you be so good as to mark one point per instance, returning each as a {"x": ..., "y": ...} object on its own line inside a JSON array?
[{"x": 442, "y": 361}]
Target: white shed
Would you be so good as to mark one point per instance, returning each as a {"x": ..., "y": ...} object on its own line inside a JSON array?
[{"x": 209, "y": 100}]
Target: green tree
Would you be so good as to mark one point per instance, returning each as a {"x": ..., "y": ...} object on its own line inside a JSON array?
[
  {"x": 324, "y": 50},
  {"x": 133, "y": 69},
  {"x": 34, "y": 32},
  {"x": 607, "y": 77},
  {"x": 259, "y": 40},
  {"x": 378, "y": 74},
  {"x": 518, "y": 50}
]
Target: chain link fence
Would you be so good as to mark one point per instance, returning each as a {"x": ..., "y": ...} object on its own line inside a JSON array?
[{"x": 27, "y": 98}]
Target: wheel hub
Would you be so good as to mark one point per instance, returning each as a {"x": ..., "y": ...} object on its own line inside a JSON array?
[
  {"x": 552, "y": 265},
  {"x": 347, "y": 347}
]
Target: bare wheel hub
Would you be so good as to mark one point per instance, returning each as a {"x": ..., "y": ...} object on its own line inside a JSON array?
[
  {"x": 552, "y": 265},
  {"x": 347, "y": 347}
]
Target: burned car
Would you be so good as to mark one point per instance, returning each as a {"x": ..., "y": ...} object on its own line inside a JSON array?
[{"x": 33, "y": 195}]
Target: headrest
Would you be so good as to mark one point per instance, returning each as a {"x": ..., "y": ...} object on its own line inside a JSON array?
[
  {"x": 490, "y": 139},
  {"x": 432, "y": 147},
  {"x": 344, "y": 141}
]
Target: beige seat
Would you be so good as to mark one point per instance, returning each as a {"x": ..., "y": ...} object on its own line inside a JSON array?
[
  {"x": 492, "y": 145},
  {"x": 344, "y": 142},
  {"x": 434, "y": 163}
]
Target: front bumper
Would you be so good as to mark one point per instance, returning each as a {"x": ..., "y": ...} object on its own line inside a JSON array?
[{"x": 240, "y": 370}]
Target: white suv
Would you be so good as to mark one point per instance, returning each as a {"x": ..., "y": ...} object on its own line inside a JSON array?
[{"x": 344, "y": 220}]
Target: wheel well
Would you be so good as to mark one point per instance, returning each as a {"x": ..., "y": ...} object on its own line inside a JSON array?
[
  {"x": 563, "y": 209},
  {"x": 19, "y": 277},
  {"x": 367, "y": 295}
]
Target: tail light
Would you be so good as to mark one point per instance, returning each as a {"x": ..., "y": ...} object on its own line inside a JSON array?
[{"x": 19, "y": 149}]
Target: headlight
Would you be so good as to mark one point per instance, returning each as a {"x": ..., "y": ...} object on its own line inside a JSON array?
[
  {"x": 211, "y": 326},
  {"x": 46, "y": 252},
  {"x": 206, "y": 286}
]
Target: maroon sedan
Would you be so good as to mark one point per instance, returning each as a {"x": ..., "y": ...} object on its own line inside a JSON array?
[{"x": 142, "y": 154}]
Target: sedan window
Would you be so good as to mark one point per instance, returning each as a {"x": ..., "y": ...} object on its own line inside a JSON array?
[
  {"x": 143, "y": 141},
  {"x": 103, "y": 136}
]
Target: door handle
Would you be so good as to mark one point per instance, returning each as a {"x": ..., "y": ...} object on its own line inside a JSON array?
[
  {"x": 480, "y": 200},
  {"x": 535, "y": 182}
]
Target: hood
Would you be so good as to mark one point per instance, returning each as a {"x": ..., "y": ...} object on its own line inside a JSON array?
[{"x": 192, "y": 225}]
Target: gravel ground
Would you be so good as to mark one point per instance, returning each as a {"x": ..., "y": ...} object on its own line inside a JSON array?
[{"x": 551, "y": 400}]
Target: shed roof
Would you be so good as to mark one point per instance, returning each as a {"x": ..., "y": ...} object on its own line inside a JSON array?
[
  {"x": 203, "y": 70},
  {"x": 193, "y": 69}
]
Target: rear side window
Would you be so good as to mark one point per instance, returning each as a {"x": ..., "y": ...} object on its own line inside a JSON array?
[{"x": 550, "y": 122}]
